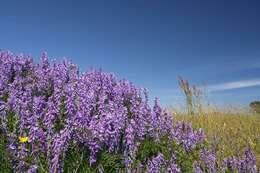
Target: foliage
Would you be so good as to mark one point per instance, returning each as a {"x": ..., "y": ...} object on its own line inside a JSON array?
[
  {"x": 255, "y": 106},
  {"x": 5, "y": 165}
]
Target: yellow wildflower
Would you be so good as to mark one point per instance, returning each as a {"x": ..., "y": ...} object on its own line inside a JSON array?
[{"x": 23, "y": 139}]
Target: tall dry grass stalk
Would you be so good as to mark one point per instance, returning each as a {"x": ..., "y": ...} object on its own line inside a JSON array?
[{"x": 194, "y": 95}]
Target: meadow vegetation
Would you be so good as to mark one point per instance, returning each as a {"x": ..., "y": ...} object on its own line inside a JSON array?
[
  {"x": 55, "y": 119},
  {"x": 227, "y": 133},
  {"x": 228, "y": 130}
]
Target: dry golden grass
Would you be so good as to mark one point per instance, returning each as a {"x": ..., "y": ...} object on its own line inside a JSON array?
[{"x": 228, "y": 134}]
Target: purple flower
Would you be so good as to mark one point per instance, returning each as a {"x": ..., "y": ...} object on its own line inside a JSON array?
[
  {"x": 208, "y": 158},
  {"x": 154, "y": 165},
  {"x": 196, "y": 167},
  {"x": 32, "y": 169},
  {"x": 185, "y": 136},
  {"x": 172, "y": 166}
]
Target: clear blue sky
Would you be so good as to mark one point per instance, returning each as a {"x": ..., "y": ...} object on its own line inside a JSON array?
[{"x": 149, "y": 42}]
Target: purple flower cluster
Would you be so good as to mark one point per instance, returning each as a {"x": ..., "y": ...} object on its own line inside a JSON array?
[
  {"x": 188, "y": 138},
  {"x": 207, "y": 159},
  {"x": 159, "y": 164},
  {"x": 154, "y": 165},
  {"x": 246, "y": 164},
  {"x": 54, "y": 106}
]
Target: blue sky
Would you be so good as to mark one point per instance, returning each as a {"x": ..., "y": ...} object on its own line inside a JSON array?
[{"x": 149, "y": 42}]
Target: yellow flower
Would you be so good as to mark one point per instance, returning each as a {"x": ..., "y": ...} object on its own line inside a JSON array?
[{"x": 23, "y": 139}]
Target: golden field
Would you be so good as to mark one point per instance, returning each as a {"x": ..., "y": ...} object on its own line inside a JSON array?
[{"x": 228, "y": 133}]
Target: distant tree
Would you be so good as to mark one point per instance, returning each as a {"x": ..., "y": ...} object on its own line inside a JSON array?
[{"x": 255, "y": 106}]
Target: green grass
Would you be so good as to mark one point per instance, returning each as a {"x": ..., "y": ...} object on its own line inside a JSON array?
[{"x": 229, "y": 134}]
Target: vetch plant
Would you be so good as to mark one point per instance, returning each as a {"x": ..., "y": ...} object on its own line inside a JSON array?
[{"x": 55, "y": 119}]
